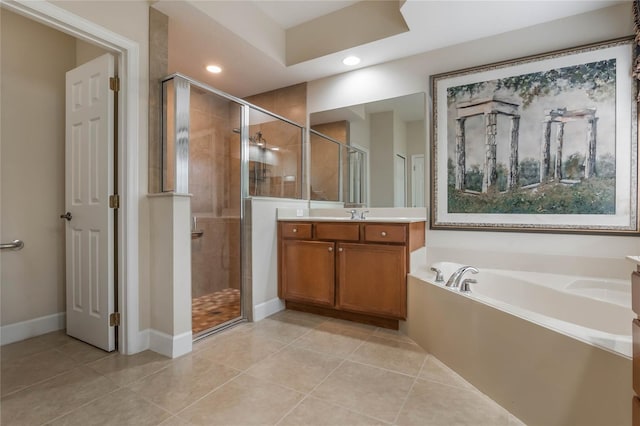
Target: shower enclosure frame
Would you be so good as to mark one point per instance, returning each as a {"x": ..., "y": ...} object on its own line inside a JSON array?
[
  {"x": 180, "y": 167},
  {"x": 362, "y": 182}
]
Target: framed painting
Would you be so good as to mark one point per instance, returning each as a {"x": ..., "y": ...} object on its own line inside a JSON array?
[{"x": 542, "y": 143}]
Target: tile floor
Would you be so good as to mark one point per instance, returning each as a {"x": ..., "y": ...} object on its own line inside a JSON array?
[{"x": 289, "y": 369}]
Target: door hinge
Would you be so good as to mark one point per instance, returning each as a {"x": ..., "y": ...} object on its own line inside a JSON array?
[
  {"x": 114, "y": 84},
  {"x": 114, "y": 319},
  {"x": 114, "y": 201}
]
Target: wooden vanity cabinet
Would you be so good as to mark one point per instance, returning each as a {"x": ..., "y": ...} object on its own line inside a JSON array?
[
  {"x": 351, "y": 270},
  {"x": 372, "y": 279},
  {"x": 307, "y": 271}
]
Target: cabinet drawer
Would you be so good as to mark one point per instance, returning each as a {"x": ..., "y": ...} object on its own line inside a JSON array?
[
  {"x": 296, "y": 230},
  {"x": 636, "y": 356},
  {"x": 338, "y": 231},
  {"x": 635, "y": 292},
  {"x": 382, "y": 233}
]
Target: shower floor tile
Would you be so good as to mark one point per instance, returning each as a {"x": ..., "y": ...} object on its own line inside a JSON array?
[{"x": 213, "y": 309}]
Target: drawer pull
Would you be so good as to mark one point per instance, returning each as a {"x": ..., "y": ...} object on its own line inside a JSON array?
[
  {"x": 295, "y": 230},
  {"x": 340, "y": 249},
  {"x": 383, "y": 233},
  {"x": 330, "y": 248}
]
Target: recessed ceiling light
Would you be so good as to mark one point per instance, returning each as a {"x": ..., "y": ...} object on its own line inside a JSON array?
[
  {"x": 275, "y": 148},
  {"x": 351, "y": 60},
  {"x": 214, "y": 69}
]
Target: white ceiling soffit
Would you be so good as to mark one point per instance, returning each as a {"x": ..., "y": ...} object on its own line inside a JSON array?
[
  {"x": 288, "y": 14},
  {"x": 445, "y": 23},
  {"x": 251, "y": 46},
  {"x": 355, "y": 25}
]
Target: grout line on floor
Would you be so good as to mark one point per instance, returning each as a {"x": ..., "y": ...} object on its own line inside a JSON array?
[
  {"x": 119, "y": 388},
  {"x": 406, "y": 397}
]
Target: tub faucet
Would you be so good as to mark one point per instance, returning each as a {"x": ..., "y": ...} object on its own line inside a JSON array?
[
  {"x": 464, "y": 287},
  {"x": 454, "y": 280},
  {"x": 439, "y": 276}
]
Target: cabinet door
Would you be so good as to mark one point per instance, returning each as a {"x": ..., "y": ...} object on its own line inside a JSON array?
[
  {"x": 308, "y": 271},
  {"x": 372, "y": 279}
]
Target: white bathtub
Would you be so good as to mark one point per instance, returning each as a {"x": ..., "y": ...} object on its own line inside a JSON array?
[
  {"x": 594, "y": 310},
  {"x": 554, "y": 350}
]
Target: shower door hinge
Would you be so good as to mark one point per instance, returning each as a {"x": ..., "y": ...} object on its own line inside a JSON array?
[
  {"x": 114, "y": 201},
  {"x": 114, "y": 319},
  {"x": 114, "y": 84}
]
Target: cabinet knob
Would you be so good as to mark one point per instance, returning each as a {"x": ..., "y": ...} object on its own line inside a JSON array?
[
  {"x": 383, "y": 233},
  {"x": 340, "y": 249},
  {"x": 295, "y": 230},
  {"x": 330, "y": 248}
]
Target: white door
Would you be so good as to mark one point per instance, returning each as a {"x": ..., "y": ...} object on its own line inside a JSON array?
[
  {"x": 399, "y": 192},
  {"x": 417, "y": 180},
  {"x": 88, "y": 184}
]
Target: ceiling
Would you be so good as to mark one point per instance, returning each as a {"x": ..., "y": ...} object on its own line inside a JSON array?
[{"x": 253, "y": 41}]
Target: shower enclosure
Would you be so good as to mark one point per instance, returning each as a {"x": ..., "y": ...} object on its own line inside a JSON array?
[
  {"x": 223, "y": 151},
  {"x": 338, "y": 171}
]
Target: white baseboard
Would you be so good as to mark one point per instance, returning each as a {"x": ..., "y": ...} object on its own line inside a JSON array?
[
  {"x": 31, "y": 328},
  {"x": 170, "y": 346},
  {"x": 267, "y": 308}
]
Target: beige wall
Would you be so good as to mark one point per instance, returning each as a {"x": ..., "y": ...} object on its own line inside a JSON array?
[
  {"x": 85, "y": 52},
  {"x": 34, "y": 61},
  {"x": 594, "y": 254},
  {"x": 130, "y": 19}
]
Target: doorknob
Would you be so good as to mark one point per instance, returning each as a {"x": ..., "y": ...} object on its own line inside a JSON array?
[{"x": 67, "y": 216}]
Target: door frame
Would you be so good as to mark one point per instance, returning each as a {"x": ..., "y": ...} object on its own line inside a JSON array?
[
  {"x": 128, "y": 53},
  {"x": 367, "y": 176},
  {"x": 403, "y": 157},
  {"x": 414, "y": 160}
]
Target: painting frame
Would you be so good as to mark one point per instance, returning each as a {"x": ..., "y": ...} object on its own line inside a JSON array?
[{"x": 453, "y": 102}]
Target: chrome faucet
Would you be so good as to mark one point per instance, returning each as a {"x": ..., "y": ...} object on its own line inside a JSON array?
[
  {"x": 439, "y": 276},
  {"x": 454, "y": 279},
  {"x": 363, "y": 213},
  {"x": 464, "y": 287},
  {"x": 354, "y": 214}
]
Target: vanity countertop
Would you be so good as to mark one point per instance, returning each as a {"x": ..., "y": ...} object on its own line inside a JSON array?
[{"x": 346, "y": 219}]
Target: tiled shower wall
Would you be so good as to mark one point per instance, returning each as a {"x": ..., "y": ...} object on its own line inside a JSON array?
[
  {"x": 325, "y": 169},
  {"x": 214, "y": 159}
]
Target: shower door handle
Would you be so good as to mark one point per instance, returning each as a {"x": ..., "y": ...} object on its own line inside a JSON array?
[{"x": 67, "y": 216}]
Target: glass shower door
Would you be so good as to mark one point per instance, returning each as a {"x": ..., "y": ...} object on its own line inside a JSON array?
[{"x": 214, "y": 182}]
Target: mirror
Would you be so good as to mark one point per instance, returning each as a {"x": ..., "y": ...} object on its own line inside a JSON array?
[{"x": 383, "y": 146}]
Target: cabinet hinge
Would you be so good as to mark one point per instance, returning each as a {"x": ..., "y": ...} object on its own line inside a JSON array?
[
  {"x": 114, "y": 84},
  {"x": 114, "y": 319},
  {"x": 114, "y": 201}
]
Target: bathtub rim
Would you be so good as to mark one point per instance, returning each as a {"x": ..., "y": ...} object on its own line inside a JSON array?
[{"x": 621, "y": 344}]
